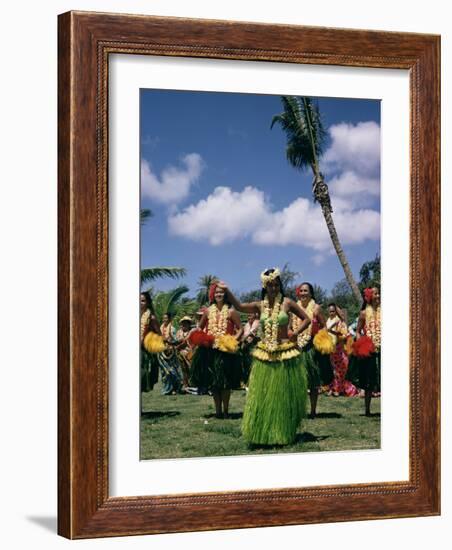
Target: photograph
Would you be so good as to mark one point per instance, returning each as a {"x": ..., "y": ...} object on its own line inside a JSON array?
[{"x": 259, "y": 274}]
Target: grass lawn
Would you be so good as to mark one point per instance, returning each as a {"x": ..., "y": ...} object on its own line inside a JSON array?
[{"x": 182, "y": 426}]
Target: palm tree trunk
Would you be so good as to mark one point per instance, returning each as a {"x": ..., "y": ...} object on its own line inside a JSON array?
[
  {"x": 322, "y": 196},
  {"x": 340, "y": 252}
]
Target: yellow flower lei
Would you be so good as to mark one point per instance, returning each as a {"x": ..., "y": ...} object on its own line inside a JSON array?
[
  {"x": 373, "y": 325},
  {"x": 218, "y": 324},
  {"x": 304, "y": 337},
  {"x": 271, "y": 322},
  {"x": 144, "y": 322}
]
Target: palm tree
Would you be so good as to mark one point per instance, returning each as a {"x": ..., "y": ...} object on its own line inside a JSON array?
[
  {"x": 302, "y": 124},
  {"x": 167, "y": 302},
  {"x": 151, "y": 273},
  {"x": 204, "y": 283}
]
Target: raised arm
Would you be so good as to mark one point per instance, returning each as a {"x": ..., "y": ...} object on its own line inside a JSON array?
[
  {"x": 300, "y": 313},
  {"x": 251, "y": 307}
]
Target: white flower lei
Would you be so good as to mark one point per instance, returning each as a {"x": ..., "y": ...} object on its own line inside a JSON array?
[
  {"x": 218, "y": 322},
  {"x": 144, "y": 322},
  {"x": 373, "y": 327},
  {"x": 304, "y": 337},
  {"x": 271, "y": 322}
]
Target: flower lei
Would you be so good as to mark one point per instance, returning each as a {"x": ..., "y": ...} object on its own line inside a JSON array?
[
  {"x": 304, "y": 337},
  {"x": 373, "y": 326},
  {"x": 144, "y": 322},
  {"x": 218, "y": 324},
  {"x": 166, "y": 331},
  {"x": 271, "y": 322},
  {"x": 339, "y": 328}
]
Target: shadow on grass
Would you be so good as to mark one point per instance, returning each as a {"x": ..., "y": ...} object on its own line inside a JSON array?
[
  {"x": 232, "y": 416},
  {"x": 305, "y": 437},
  {"x": 308, "y": 437},
  {"x": 158, "y": 414},
  {"x": 328, "y": 415},
  {"x": 371, "y": 415}
]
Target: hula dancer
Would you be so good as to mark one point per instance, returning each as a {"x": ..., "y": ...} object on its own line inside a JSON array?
[
  {"x": 276, "y": 400},
  {"x": 368, "y": 343},
  {"x": 167, "y": 359},
  {"x": 149, "y": 367},
  {"x": 337, "y": 326},
  {"x": 216, "y": 363},
  {"x": 184, "y": 349},
  {"x": 318, "y": 367},
  {"x": 249, "y": 339}
]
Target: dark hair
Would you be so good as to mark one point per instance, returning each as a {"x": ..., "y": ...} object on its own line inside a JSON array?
[
  {"x": 169, "y": 313},
  {"x": 364, "y": 304},
  {"x": 311, "y": 289},
  {"x": 264, "y": 290},
  {"x": 149, "y": 303},
  {"x": 338, "y": 312}
]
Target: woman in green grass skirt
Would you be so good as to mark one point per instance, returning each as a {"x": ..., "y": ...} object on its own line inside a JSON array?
[
  {"x": 216, "y": 364},
  {"x": 276, "y": 400},
  {"x": 318, "y": 366}
]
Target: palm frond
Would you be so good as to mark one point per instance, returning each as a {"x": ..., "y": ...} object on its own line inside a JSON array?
[
  {"x": 145, "y": 214},
  {"x": 152, "y": 273},
  {"x": 302, "y": 124},
  {"x": 204, "y": 283},
  {"x": 165, "y": 302}
]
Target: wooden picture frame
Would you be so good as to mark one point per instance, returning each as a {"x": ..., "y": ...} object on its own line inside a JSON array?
[{"x": 85, "y": 42}]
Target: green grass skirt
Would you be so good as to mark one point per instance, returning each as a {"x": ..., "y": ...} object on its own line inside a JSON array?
[
  {"x": 215, "y": 370},
  {"x": 149, "y": 370},
  {"x": 318, "y": 367},
  {"x": 276, "y": 402}
]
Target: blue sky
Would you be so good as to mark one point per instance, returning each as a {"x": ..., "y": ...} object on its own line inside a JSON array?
[{"x": 227, "y": 202}]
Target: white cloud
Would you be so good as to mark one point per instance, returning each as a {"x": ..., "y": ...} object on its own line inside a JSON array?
[
  {"x": 350, "y": 185},
  {"x": 227, "y": 215},
  {"x": 318, "y": 259},
  {"x": 174, "y": 183},
  {"x": 302, "y": 223},
  {"x": 354, "y": 148},
  {"x": 224, "y": 216}
]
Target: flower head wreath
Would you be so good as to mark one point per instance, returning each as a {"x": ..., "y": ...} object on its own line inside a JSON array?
[
  {"x": 265, "y": 279},
  {"x": 212, "y": 289},
  {"x": 368, "y": 295}
]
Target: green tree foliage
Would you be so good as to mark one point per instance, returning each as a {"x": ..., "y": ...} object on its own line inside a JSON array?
[
  {"x": 321, "y": 295},
  {"x": 145, "y": 215},
  {"x": 251, "y": 296},
  {"x": 169, "y": 302},
  {"x": 370, "y": 273},
  {"x": 149, "y": 274},
  {"x": 204, "y": 283}
]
